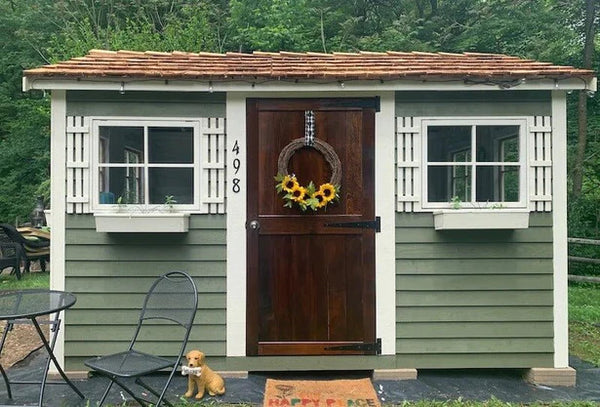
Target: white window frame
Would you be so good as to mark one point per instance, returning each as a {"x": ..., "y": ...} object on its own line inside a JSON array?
[
  {"x": 97, "y": 122},
  {"x": 473, "y": 122}
]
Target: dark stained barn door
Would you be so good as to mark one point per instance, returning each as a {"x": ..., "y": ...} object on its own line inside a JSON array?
[{"x": 311, "y": 286}]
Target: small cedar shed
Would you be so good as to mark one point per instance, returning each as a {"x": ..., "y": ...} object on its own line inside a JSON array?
[{"x": 388, "y": 211}]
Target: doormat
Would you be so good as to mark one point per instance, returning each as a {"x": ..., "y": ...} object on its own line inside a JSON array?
[{"x": 320, "y": 393}]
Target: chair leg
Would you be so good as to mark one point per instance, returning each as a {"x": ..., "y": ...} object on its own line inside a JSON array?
[
  {"x": 106, "y": 392},
  {"x": 157, "y": 394},
  {"x": 141, "y": 402},
  {"x": 17, "y": 271}
]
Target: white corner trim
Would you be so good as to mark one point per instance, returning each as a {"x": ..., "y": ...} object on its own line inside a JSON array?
[
  {"x": 559, "y": 229},
  {"x": 58, "y": 138},
  {"x": 236, "y": 226},
  {"x": 385, "y": 249}
]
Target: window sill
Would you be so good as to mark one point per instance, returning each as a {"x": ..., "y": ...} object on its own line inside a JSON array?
[
  {"x": 456, "y": 219},
  {"x": 142, "y": 222}
]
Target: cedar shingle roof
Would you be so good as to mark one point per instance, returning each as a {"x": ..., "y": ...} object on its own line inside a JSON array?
[{"x": 303, "y": 65}]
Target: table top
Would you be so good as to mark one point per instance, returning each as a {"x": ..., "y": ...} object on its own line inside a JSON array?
[{"x": 31, "y": 303}]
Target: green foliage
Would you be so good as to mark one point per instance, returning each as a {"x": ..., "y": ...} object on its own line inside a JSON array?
[
  {"x": 24, "y": 158},
  {"x": 273, "y": 25},
  {"x": 584, "y": 322}
]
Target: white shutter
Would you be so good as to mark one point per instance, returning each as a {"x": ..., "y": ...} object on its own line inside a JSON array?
[
  {"x": 78, "y": 165},
  {"x": 212, "y": 165},
  {"x": 408, "y": 168},
  {"x": 540, "y": 164}
]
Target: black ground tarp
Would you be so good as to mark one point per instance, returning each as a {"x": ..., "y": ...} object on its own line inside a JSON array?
[{"x": 480, "y": 384}]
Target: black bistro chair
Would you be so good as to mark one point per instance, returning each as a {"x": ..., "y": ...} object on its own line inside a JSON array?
[
  {"x": 11, "y": 254},
  {"x": 172, "y": 300}
]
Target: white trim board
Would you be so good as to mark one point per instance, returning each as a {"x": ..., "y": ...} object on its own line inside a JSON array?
[
  {"x": 385, "y": 241},
  {"x": 236, "y": 228},
  {"x": 385, "y": 262},
  {"x": 140, "y": 84},
  {"x": 58, "y": 175},
  {"x": 559, "y": 229}
]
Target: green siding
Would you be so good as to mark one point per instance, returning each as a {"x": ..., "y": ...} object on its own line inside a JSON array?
[
  {"x": 474, "y": 103},
  {"x": 469, "y": 299},
  {"x": 111, "y": 272},
  {"x": 145, "y": 104},
  {"x": 473, "y": 298}
]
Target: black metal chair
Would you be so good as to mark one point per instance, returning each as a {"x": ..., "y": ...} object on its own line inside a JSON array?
[
  {"x": 30, "y": 249},
  {"x": 11, "y": 255},
  {"x": 172, "y": 300}
]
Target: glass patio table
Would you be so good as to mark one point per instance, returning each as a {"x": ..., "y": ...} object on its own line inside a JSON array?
[{"x": 25, "y": 306}]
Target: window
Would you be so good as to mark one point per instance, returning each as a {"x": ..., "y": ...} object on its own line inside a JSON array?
[
  {"x": 478, "y": 163},
  {"x": 144, "y": 164}
]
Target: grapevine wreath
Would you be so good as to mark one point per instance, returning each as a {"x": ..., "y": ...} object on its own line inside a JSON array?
[{"x": 309, "y": 196}]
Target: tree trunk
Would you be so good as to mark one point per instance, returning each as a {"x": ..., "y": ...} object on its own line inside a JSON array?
[
  {"x": 434, "y": 7},
  {"x": 588, "y": 52}
]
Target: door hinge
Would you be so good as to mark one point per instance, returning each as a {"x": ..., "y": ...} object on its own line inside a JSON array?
[
  {"x": 369, "y": 224},
  {"x": 363, "y": 347}
]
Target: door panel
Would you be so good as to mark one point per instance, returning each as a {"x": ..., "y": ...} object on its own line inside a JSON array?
[{"x": 310, "y": 286}]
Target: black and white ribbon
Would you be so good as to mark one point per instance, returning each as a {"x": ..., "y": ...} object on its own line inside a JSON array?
[{"x": 309, "y": 128}]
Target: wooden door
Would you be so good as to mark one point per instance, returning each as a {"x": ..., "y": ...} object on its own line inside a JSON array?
[{"x": 311, "y": 285}]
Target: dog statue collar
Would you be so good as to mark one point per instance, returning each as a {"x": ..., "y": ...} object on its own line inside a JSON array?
[{"x": 196, "y": 371}]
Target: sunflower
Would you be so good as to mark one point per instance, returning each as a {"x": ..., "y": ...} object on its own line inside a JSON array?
[
  {"x": 288, "y": 183},
  {"x": 298, "y": 193},
  {"x": 329, "y": 192},
  {"x": 320, "y": 198}
]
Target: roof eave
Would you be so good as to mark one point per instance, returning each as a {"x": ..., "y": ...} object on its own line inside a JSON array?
[{"x": 255, "y": 84}]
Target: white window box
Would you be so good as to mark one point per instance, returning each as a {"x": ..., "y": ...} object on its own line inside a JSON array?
[
  {"x": 142, "y": 222},
  {"x": 452, "y": 219}
]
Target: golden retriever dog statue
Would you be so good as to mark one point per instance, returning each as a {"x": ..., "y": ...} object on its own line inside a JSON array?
[{"x": 202, "y": 376}]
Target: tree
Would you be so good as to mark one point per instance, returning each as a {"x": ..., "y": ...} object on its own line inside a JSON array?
[{"x": 588, "y": 54}]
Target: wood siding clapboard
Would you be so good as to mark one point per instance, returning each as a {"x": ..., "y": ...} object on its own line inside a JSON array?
[
  {"x": 110, "y": 274},
  {"x": 473, "y": 298}
]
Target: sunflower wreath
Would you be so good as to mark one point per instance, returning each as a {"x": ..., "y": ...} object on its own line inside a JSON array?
[{"x": 308, "y": 197}]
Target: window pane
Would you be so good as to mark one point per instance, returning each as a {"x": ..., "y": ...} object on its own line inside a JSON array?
[
  {"x": 444, "y": 182},
  {"x": 176, "y": 182},
  {"x": 115, "y": 142},
  {"x": 121, "y": 185},
  {"x": 497, "y": 183},
  {"x": 171, "y": 145},
  {"x": 497, "y": 143},
  {"x": 444, "y": 142}
]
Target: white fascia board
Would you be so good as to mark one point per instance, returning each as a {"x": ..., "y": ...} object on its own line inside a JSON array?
[{"x": 131, "y": 84}]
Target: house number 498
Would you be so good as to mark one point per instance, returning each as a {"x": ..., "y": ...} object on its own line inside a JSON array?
[{"x": 236, "y": 167}]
